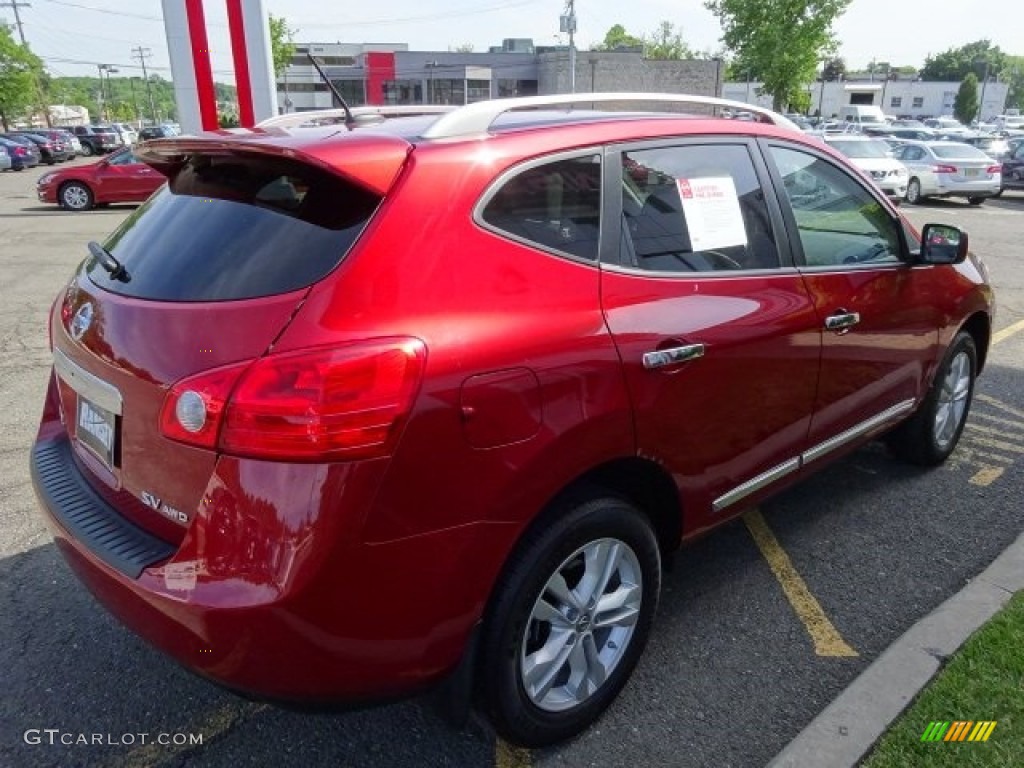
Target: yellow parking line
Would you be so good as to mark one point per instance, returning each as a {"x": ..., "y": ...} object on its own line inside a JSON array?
[
  {"x": 986, "y": 476},
  {"x": 218, "y": 722},
  {"x": 1001, "y": 406},
  {"x": 827, "y": 640},
  {"x": 996, "y": 433},
  {"x": 507, "y": 756},
  {"x": 999, "y": 445},
  {"x": 1007, "y": 332}
]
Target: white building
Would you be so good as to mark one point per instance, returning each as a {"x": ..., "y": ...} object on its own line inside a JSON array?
[{"x": 906, "y": 98}]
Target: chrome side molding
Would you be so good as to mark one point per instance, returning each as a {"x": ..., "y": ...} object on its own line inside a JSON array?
[{"x": 779, "y": 471}]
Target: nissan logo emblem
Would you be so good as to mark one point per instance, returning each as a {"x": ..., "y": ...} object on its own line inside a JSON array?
[{"x": 81, "y": 321}]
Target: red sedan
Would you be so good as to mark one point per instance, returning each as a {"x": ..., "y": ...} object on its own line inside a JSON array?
[{"x": 118, "y": 178}]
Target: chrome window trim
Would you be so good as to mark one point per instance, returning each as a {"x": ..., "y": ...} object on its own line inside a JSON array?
[
  {"x": 720, "y": 274},
  {"x": 756, "y": 483},
  {"x": 837, "y": 441},
  {"x": 86, "y": 384}
]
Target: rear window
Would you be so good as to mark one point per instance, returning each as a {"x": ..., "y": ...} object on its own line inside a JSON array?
[
  {"x": 235, "y": 227},
  {"x": 958, "y": 151}
]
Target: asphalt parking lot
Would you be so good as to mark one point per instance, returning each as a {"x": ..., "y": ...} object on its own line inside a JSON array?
[{"x": 760, "y": 625}]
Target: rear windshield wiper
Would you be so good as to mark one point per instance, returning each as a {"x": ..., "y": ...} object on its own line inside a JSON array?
[{"x": 108, "y": 262}]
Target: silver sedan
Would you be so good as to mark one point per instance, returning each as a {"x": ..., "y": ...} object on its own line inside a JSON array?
[{"x": 949, "y": 169}]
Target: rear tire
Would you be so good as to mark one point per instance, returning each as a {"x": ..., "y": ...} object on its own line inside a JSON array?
[
  {"x": 914, "y": 196},
  {"x": 975, "y": 200},
  {"x": 929, "y": 436},
  {"x": 569, "y": 620}
]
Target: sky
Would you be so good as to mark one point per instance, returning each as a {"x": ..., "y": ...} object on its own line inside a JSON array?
[{"x": 73, "y": 36}]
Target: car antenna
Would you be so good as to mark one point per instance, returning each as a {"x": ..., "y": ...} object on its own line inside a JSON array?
[{"x": 350, "y": 121}]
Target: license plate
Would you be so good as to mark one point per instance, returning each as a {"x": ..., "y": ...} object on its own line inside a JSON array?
[
  {"x": 971, "y": 171},
  {"x": 96, "y": 429}
]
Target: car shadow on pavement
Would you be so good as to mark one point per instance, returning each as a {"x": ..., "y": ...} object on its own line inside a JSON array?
[{"x": 70, "y": 666}]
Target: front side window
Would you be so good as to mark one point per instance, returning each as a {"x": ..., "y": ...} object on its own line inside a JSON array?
[
  {"x": 556, "y": 206},
  {"x": 840, "y": 223},
  {"x": 695, "y": 208}
]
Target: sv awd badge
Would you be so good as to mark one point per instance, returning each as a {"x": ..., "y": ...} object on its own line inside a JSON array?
[{"x": 154, "y": 502}]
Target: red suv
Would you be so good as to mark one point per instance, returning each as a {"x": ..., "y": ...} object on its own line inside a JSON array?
[{"x": 342, "y": 412}]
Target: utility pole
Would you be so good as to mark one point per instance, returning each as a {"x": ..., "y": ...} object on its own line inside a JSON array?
[
  {"x": 15, "y": 5},
  {"x": 568, "y": 25},
  {"x": 141, "y": 54}
]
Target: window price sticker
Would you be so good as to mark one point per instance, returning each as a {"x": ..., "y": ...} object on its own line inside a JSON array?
[{"x": 712, "y": 211}]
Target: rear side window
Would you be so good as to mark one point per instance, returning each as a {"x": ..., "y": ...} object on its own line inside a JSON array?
[
  {"x": 556, "y": 205},
  {"x": 237, "y": 227}
]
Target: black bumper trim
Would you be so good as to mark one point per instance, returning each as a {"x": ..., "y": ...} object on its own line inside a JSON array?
[{"x": 88, "y": 517}]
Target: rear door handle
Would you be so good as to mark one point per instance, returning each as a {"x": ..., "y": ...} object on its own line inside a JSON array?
[
  {"x": 660, "y": 358},
  {"x": 842, "y": 320}
]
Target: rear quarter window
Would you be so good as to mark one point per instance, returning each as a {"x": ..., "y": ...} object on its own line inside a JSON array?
[{"x": 237, "y": 227}]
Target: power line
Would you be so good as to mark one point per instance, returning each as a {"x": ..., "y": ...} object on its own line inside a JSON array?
[
  {"x": 14, "y": 5},
  {"x": 104, "y": 10}
]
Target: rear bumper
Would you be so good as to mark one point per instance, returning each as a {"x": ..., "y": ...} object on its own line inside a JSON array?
[
  {"x": 267, "y": 607},
  {"x": 966, "y": 188}
]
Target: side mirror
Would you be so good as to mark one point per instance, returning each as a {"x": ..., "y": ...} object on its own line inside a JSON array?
[{"x": 942, "y": 244}]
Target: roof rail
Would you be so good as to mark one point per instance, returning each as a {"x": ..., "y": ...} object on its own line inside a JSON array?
[
  {"x": 477, "y": 118},
  {"x": 360, "y": 114}
]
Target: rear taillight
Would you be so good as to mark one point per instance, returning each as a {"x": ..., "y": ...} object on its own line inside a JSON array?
[
  {"x": 944, "y": 169},
  {"x": 337, "y": 403},
  {"x": 994, "y": 169},
  {"x": 20, "y": 151}
]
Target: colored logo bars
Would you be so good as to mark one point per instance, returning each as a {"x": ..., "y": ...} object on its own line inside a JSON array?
[{"x": 961, "y": 730}]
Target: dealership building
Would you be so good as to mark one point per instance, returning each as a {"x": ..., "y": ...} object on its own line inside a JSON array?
[
  {"x": 392, "y": 74},
  {"x": 902, "y": 98}
]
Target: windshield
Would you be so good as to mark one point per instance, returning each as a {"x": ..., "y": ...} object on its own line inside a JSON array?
[
  {"x": 964, "y": 151},
  {"x": 862, "y": 149}
]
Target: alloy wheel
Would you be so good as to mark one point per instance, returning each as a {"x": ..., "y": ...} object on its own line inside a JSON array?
[
  {"x": 952, "y": 400},
  {"x": 581, "y": 625}
]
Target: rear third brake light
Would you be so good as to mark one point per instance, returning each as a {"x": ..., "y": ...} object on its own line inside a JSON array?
[{"x": 321, "y": 404}]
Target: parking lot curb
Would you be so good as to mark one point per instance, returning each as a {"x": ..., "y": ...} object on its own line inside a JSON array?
[{"x": 844, "y": 732}]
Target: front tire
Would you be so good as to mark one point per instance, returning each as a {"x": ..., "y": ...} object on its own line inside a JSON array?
[
  {"x": 87, "y": 150},
  {"x": 975, "y": 200},
  {"x": 569, "y": 620},
  {"x": 929, "y": 436},
  {"x": 75, "y": 196}
]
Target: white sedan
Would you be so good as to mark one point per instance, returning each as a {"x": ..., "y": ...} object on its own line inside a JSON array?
[
  {"x": 949, "y": 169},
  {"x": 875, "y": 158}
]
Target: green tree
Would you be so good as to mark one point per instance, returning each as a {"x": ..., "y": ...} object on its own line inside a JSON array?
[
  {"x": 782, "y": 41},
  {"x": 965, "y": 107},
  {"x": 617, "y": 37},
  {"x": 20, "y": 70},
  {"x": 956, "y": 63},
  {"x": 282, "y": 46},
  {"x": 666, "y": 43},
  {"x": 1014, "y": 75},
  {"x": 834, "y": 69}
]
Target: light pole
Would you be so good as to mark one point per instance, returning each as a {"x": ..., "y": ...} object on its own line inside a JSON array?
[
  {"x": 984, "y": 82},
  {"x": 104, "y": 92},
  {"x": 430, "y": 66}
]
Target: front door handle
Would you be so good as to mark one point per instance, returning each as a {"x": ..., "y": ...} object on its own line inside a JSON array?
[
  {"x": 842, "y": 321},
  {"x": 660, "y": 358}
]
